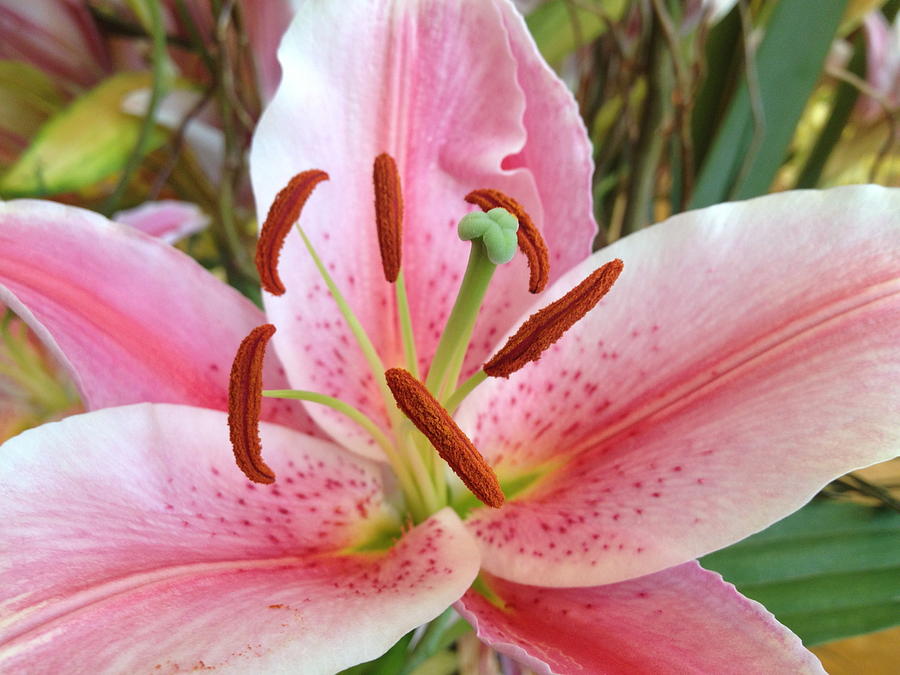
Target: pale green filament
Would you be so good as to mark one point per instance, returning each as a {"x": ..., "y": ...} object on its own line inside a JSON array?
[
  {"x": 406, "y": 328},
  {"x": 410, "y": 484},
  {"x": 421, "y": 491},
  {"x": 464, "y": 390},
  {"x": 337, "y": 404},
  {"x": 365, "y": 344},
  {"x": 420, "y": 472}
]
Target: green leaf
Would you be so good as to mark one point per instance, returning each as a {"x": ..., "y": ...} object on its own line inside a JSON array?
[
  {"x": 829, "y": 571},
  {"x": 738, "y": 165},
  {"x": 27, "y": 98},
  {"x": 389, "y": 663},
  {"x": 723, "y": 63},
  {"x": 84, "y": 143},
  {"x": 553, "y": 25}
]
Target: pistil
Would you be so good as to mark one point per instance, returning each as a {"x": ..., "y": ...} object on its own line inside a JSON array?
[
  {"x": 493, "y": 237},
  {"x": 495, "y": 234},
  {"x": 531, "y": 243}
]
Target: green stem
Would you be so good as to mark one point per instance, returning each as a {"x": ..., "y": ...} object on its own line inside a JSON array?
[
  {"x": 451, "y": 349},
  {"x": 438, "y": 635},
  {"x": 159, "y": 66},
  {"x": 238, "y": 265},
  {"x": 641, "y": 189},
  {"x": 406, "y": 329}
]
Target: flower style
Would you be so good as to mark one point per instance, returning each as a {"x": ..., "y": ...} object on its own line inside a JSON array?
[{"x": 747, "y": 354}]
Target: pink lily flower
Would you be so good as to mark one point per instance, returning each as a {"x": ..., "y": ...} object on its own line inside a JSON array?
[{"x": 747, "y": 355}]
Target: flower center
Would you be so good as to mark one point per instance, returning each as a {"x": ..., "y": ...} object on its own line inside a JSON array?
[{"x": 424, "y": 441}]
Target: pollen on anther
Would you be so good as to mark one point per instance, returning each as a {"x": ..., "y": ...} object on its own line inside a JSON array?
[
  {"x": 454, "y": 447},
  {"x": 244, "y": 401},
  {"x": 543, "y": 328},
  {"x": 388, "y": 214},
  {"x": 531, "y": 243},
  {"x": 284, "y": 212}
]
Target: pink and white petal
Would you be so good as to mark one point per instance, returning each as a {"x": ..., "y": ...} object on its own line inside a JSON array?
[
  {"x": 557, "y": 155},
  {"x": 132, "y": 318},
  {"x": 169, "y": 220},
  {"x": 132, "y": 541},
  {"x": 437, "y": 86},
  {"x": 266, "y": 23},
  {"x": 683, "y": 619},
  {"x": 748, "y": 354}
]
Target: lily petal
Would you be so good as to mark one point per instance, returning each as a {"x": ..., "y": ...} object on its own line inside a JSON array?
[
  {"x": 132, "y": 318},
  {"x": 168, "y": 219},
  {"x": 558, "y": 156},
  {"x": 378, "y": 77},
  {"x": 748, "y": 354},
  {"x": 265, "y": 23},
  {"x": 683, "y": 619},
  {"x": 133, "y": 543}
]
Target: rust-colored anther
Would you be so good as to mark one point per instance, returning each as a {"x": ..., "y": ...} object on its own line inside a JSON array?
[
  {"x": 388, "y": 214},
  {"x": 452, "y": 444},
  {"x": 531, "y": 243},
  {"x": 547, "y": 325},
  {"x": 284, "y": 212},
  {"x": 244, "y": 399}
]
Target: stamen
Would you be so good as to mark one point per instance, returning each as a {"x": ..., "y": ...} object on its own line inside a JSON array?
[
  {"x": 452, "y": 444},
  {"x": 531, "y": 243},
  {"x": 546, "y": 326},
  {"x": 284, "y": 212},
  {"x": 388, "y": 214},
  {"x": 244, "y": 399}
]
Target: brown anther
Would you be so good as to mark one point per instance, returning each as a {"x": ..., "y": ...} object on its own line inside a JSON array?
[
  {"x": 531, "y": 243},
  {"x": 452, "y": 444},
  {"x": 244, "y": 399},
  {"x": 284, "y": 212},
  {"x": 546, "y": 326},
  {"x": 388, "y": 214}
]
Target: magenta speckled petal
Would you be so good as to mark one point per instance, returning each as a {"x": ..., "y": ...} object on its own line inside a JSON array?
[
  {"x": 748, "y": 354},
  {"x": 681, "y": 620},
  {"x": 409, "y": 79},
  {"x": 131, "y": 540},
  {"x": 132, "y": 318}
]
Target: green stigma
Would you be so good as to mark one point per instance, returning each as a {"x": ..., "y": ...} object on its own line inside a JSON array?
[{"x": 497, "y": 230}]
